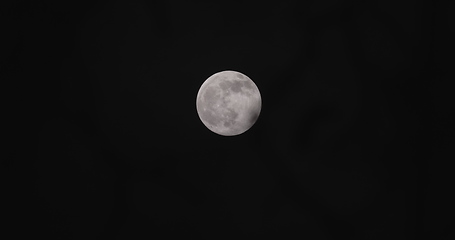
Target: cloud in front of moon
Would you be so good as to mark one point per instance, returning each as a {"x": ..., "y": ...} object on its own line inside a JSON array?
[{"x": 228, "y": 103}]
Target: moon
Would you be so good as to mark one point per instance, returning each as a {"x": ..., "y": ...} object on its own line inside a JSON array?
[{"x": 228, "y": 103}]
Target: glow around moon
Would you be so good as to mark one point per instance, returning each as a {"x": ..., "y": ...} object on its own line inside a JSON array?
[{"x": 228, "y": 103}]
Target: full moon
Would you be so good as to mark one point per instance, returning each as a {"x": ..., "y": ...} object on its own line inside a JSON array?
[{"x": 228, "y": 103}]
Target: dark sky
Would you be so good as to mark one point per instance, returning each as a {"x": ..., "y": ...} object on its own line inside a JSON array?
[{"x": 353, "y": 141}]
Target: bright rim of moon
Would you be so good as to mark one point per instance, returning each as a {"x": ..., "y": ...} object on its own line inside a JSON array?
[{"x": 228, "y": 103}]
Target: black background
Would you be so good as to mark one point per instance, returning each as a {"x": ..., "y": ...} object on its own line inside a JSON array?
[{"x": 354, "y": 138}]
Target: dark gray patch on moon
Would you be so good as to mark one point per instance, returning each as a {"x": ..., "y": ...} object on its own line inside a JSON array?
[
  {"x": 234, "y": 86},
  {"x": 224, "y": 85},
  {"x": 248, "y": 85},
  {"x": 232, "y": 114},
  {"x": 237, "y": 86},
  {"x": 240, "y": 76}
]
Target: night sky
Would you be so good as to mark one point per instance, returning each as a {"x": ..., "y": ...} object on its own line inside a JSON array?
[{"x": 354, "y": 140}]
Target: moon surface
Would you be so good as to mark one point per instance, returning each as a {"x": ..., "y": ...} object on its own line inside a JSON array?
[{"x": 228, "y": 103}]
